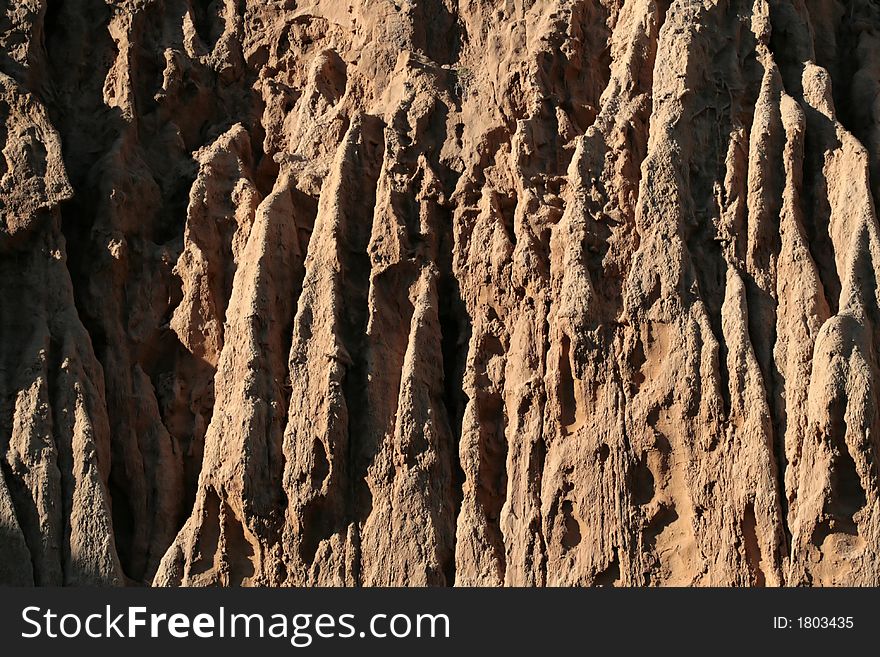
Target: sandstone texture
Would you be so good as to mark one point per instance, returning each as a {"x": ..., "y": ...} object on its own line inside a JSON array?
[{"x": 440, "y": 292}]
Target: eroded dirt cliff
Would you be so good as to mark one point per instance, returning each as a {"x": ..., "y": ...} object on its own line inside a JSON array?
[{"x": 434, "y": 292}]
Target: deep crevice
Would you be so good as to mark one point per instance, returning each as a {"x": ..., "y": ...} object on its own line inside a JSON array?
[{"x": 455, "y": 332}]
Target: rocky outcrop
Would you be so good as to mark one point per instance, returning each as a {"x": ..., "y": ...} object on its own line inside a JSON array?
[{"x": 423, "y": 292}]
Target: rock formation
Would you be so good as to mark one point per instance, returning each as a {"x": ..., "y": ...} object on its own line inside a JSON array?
[{"x": 440, "y": 292}]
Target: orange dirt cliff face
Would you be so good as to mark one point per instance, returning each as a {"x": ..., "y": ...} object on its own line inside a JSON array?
[{"x": 440, "y": 292}]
